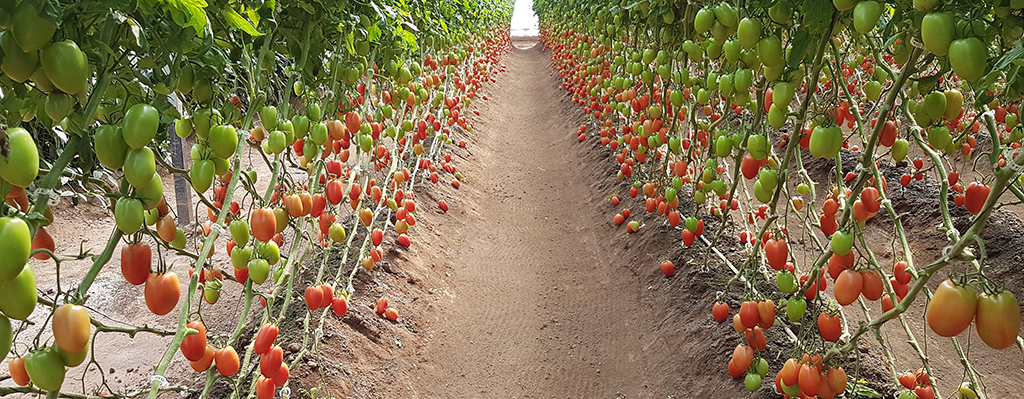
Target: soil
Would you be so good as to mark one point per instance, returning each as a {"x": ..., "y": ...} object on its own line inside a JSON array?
[{"x": 525, "y": 289}]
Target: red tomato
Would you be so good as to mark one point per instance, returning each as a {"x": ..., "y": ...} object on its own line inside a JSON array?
[
  {"x": 136, "y": 260},
  {"x": 339, "y": 306},
  {"x": 720, "y": 311},
  {"x": 749, "y": 314},
  {"x": 830, "y": 327},
  {"x": 270, "y": 362},
  {"x": 265, "y": 388},
  {"x": 193, "y": 346},
  {"x": 975, "y": 197},
  {"x": 328, "y": 296},
  {"x": 667, "y": 268},
  {"x": 314, "y": 296},
  {"x": 265, "y": 338},
  {"x": 848, "y": 287}
]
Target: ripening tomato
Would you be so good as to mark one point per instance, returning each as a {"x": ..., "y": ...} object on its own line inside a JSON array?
[
  {"x": 720, "y": 311},
  {"x": 810, "y": 382},
  {"x": 162, "y": 292},
  {"x": 998, "y": 319},
  {"x": 766, "y": 314},
  {"x": 873, "y": 286},
  {"x": 263, "y": 224},
  {"x": 668, "y": 268},
  {"x": 951, "y": 309},
  {"x": 71, "y": 327},
  {"x": 205, "y": 361},
  {"x": 848, "y": 287},
  {"x": 743, "y": 356},
  {"x": 227, "y": 361},
  {"x": 16, "y": 368},
  {"x": 193, "y": 346}
]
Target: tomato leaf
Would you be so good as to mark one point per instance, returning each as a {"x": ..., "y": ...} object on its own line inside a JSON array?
[
  {"x": 817, "y": 15},
  {"x": 857, "y": 390},
  {"x": 801, "y": 41},
  {"x": 236, "y": 20}
]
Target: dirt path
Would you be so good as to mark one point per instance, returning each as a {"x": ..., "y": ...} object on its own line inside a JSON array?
[{"x": 534, "y": 313}]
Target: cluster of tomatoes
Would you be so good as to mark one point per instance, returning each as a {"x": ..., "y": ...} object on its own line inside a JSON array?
[{"x": 662, "y": 102}]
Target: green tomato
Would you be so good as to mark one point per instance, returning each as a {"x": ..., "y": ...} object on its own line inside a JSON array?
[
  {"x": 900, "y": 148},
  {"x": 21, "y": 165},
  {"x": 300, "y": 126},
  {"x": 764, "y": 195},
  {"x": 31, "y": 30},
  {"x": 17, "y": 64},
  {"x": 223, "y": 141},
  {"x": 72, "y": 359},
  {"x": 183, "y": 127},
  {"x": 202, "y": 174},
  {"x": 179, "y": 240},
  {"x": 826, "y": 142},
  {"x": 761, "y": 367},
  {"x": 259, "y": 270},
  {"x": 969, "y": 58},
  {"x": 752, "y": 381},
  {"x": 866, "y": 15},
  {"x": 240, "y": 257},
  {"x": 795, "y": 308},
  {"x": 777, "y": 116},
  {"x": 319, "y": 134},
  {"x": 16, "y": 245},
  {"x": 939, "y": 137},
  {"x": 786, "y": 282},
  {"x": 203, "y": 120},
  {"x": 873, "y": 90},
  {"x": 843, "y": 5},
  {"x": 769, "y": 178},
  {"x": 782, "y": 94},
  {"x": 842, "y": 242},
  {"x": 749, "y": 32},
  {"x": 19, "y": 295},
  {"x": 128, "y": 215},
  {"x": 151, "y": 216},
  {"x": 110, "y": 146},
  {"x": 268, "y": 116},
  {"x": 934, "y": 105},
  {"x": 704, "y": 19},
  {"x": 65, "y": 65},
  {"x": 6, "y": 335},
  {"x": 937, "y": 32},
  {"x": 240, "y": 232},
  {"x": 802, "y": 188},
  {"x": 269, "y": 251},
  {"x": 140, "y": 124},
  {"x": 139, "y": 166},
  {"x": 151, "y": 192},
  {"x": 758, "y": 146},
  {"x": 46, "y": 369},
  {"x": 769, "y": 50},
  {"x": 277, "y": 141}
]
